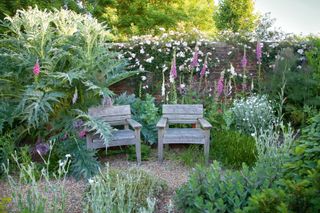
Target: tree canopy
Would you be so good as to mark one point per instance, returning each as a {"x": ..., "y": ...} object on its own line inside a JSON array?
[{"x": 235, "y": 15}]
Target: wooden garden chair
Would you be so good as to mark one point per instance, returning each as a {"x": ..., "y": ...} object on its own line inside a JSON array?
[
  {"x": 116, "y": 116},
  {"x": 183, "y": 114}
]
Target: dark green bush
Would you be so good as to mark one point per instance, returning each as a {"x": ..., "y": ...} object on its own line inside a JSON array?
[
  {"x": 233, "y": 149},
  {"x": 216, "y": 190}
]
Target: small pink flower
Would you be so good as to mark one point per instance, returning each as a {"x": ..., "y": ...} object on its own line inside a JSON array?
[
  {"x": 82, "y": 134},
  {"x": 36, "y": 68}
]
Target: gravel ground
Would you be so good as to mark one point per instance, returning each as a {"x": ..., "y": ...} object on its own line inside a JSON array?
[{"x": 172, "y": 172}]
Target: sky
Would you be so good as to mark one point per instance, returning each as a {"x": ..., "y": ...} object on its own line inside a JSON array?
[{"x": 293, "y": 16}]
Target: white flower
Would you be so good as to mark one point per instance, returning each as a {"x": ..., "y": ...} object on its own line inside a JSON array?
[
  {"x": 149, "y": 60},
  {"x": 133, "y": 55},
  {"x": 299, "y": 67},
  {"x": 182, "y": 86},
  {"x": 143, "y": 78},
  {"x": 91, "y": 181},
  {"x": 185, "y": 44},
  {"x": 61, "y": 163},
  {"x": 145, "y": 87},
  {"x": 162, "y": 29},
  {"x": 232, "y": 70},
  {"x": 229, "y": 53},
  {"x": 148, "y": 42},
  {"x": 142, "y": 51},
  {"x": 141, "y": 67},
  {"x": 300, "y": 51},
  {"x": 168, "y": 45},
  {"x": 68, "y": 156},
  {"x": 181, "y": 67}
]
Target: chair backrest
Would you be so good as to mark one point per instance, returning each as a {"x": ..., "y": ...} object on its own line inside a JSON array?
[
  {"x": 182, "y": 113},
  {"x": 114, "y": 115}
]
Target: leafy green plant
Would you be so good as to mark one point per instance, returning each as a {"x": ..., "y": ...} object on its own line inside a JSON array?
[
  {"x": 83, "y": 162},
  {"x": 269, "y": 200},
  {"x": 253, "y": 113},
  {"x": 122, "y": 191},
  {"x": 214, "y": 190},
  {"x": 68, "y": 52},
  {"x": 147, "y": 113},
  {"x": 232, "y": 149}
]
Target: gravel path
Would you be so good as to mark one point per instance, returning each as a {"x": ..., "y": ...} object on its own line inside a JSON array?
[{"x": 172, "y": 172}]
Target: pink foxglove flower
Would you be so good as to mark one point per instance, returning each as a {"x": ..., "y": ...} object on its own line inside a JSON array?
[
  {"x": 220, "y": 86},
  {"x": 173, "y": 71},
  {"x": 244, "y": 60},
  {"x": 204, "y": 68},
  {"x": 36, "y": 68},
  {"x": 194, "y": 62},
  {"x": 82, "y": 133},
  {"x": 259, "y": 51}
]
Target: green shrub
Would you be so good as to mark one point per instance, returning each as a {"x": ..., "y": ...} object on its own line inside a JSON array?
[
  {"x": 253, "y": 113},
  {"x": 145, "y": 112},
  {"x": 51, "y": 64},
  {"x": 233, "y": 149},
  {"x": 122, "y": 191},
  {"x": 268, "y": 201},
  {"x": 214, "y": 190},
  {"x": 83, "y": 161}
]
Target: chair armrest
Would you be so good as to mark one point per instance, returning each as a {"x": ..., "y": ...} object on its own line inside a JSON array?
[
  {"x": 204, "y": 123},
  {"x": 162, "y": 123},
  {"x": 134, "y": 124}
]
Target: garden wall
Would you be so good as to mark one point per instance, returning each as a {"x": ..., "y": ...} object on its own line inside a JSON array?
[{"x": 220, "y": 56}]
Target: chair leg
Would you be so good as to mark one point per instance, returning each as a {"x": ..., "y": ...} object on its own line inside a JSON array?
[
  {"x": 138, "y": 147},
  {"x": 160, "y": 145},
  {"x": 207, "y": 147}
]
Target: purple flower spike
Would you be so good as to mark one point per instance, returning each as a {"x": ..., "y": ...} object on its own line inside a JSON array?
[
  {"x": 259, "y": 51},
  {"x": 220, "y": 86},
  {"x": 82, "y": 134},
  {"x": 173, "y": 71},
  {"x": 204, "y": 68},
  {"x": 194, "y": 62},
  {"x": 244, "y": 60},
  {"x": 42, "y": 148}
]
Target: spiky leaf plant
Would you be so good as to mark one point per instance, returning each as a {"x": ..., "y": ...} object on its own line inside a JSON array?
[{"x": 76, "y": 67}]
